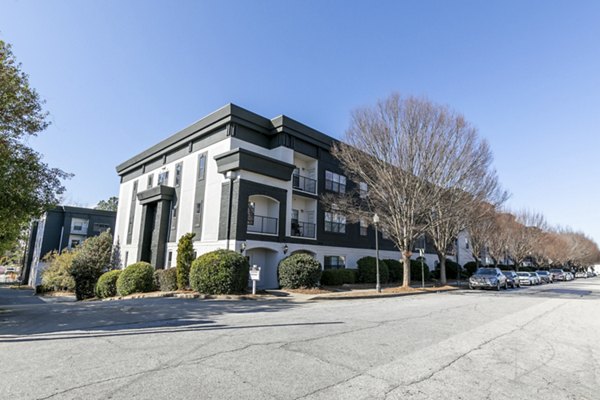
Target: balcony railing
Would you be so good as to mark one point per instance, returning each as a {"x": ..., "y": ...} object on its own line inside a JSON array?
[
  {"x": 303, "y": 229},
  {"x": 304, "y": 183},
  {"x": 262, "y": 224}
]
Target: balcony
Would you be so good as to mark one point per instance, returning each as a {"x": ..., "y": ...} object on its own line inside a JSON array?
[
  {"x": 262, "y": 224},
  {"x": 304, "y": 229},
  {"x": 304, "y": 183}
]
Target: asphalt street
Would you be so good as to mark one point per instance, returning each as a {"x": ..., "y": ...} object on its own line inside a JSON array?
[{"x": 530, "y": 343}]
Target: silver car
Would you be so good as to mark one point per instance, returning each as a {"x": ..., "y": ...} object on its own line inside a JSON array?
[
  {"x": 545, "y": 276},
  {"x": 525, "y": 278},
  {"x": 488, "y": 278}
]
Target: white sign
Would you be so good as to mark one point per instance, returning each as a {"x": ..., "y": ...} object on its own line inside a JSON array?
[{"x": 255, "y": 273}]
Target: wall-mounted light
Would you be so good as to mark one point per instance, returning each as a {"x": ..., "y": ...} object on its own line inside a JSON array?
[
  {"x": 243, "y": 247},
  {"x": 285, "y": 248}
]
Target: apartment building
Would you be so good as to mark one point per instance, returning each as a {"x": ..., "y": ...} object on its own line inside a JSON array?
[
  {"x": 60, "y": 228},
  {"x": 242, "y": 182}
]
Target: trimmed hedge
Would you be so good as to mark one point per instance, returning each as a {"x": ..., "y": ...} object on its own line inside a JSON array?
[
  {"x": 451, "y": 271},
  {"x": 415, "y": 270},
  {"x": 219, "y": 272},
  {"x": 367, "y": 270},
  {"x": 338, "y": 277},
  {"x": 138, "y": 277},
  {"x": 470, "y": 267},
  {"x": 107, "y": 284},
  {"x": 299, "y": 271},
  {"x": 395, "y": 270},
  {"x": 166, "y": 279}
]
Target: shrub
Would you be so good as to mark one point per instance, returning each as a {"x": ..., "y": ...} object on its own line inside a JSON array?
[
  {"x": 451, "y": 271},
  {"x": 395, "y": 269},
  {"x": 415, "y": 270},
  {"x": 219, "y": 272},
  {"x": 91, "y": 259},
  {"x": 338, "y": 277},
  {"x": 367, "y": 270},
  {"x": 107, "y": 284},
  {"x": 299, "y": 270},
  {"x": 470, "y": 267},
  {"x": 58, "y": 274},
  {"x": 166, "y": 279},
  {"x": 185, "y": 256},
  {"x": 138, "y": 277}
]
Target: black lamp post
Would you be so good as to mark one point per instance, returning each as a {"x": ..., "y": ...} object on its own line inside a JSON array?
[{"x": 376, "y": 222}]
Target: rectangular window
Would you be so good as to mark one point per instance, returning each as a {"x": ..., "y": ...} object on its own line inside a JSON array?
[
  {"x": 334, "y": 262},
  {"x": 364, "y": 189},
  {"x": 163, "y": 178},
  {"x": 335, "y": 222},
  {"x": 335, "y": 182},
  {"x": 363, "y": 227},
  {"x": 126, "y": 257},
  {"x": 201, "y": 166},
  {"x": 178, "y": 174},
  {"x": 169, "y": 259},
  {"x": 101, "y": 227},
  {"x": 150, "y": 180},
  {"x": 251, "y": 210},
  {"x": 198, "y": 215}
]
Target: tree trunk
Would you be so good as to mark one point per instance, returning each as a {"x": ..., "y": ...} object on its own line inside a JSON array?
[
  {"x": 406, "y": 266},
  {"x": 443, "y": 278}
]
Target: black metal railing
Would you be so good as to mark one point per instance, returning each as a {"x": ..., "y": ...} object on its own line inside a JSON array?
[
  {"x": 262, "y": 224},
  {"x": 304, "y": 229},
  {"x": 304, "y": 183}
]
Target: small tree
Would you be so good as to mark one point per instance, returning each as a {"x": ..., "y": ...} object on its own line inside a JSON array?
[
  {"x": 91, "y": 260},
  {"x": 57, "y": 276},
  {"x": 185, "y": 256}
]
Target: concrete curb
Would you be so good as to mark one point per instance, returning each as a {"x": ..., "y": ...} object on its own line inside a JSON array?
[
  {"x": 377, "y": 295},
  {"x": 156, "y": 295}
]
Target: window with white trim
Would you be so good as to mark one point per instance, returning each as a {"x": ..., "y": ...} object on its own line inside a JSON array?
[
  {"x": 163, "y": 178},
  {"x": 364, "y": 225}
]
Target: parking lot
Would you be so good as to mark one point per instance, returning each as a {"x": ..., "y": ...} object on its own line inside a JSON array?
[{"x": 528, "y": 343}]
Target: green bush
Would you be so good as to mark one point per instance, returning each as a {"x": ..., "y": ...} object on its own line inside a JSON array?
[
  {"x": 367, "y": 270},
  {"x": 415, "y": 270},
  {"x": 107, "y": 284},
  {"x": 338, "y": 277},
  {"x": 91, "y": 259},
  {"x": 470, "y": 267},
  {"x": 219, "y": 272},
  {"x": 185, "y": 257},
  {"x": 138, "y": 277},
  {"x": 57, "y": 277},
  {"x": 166, "y": 279},
  {"x": 299, "y": 271},
  {"x": 451, "y": 271},
  {"x": 395, "y": 269}
]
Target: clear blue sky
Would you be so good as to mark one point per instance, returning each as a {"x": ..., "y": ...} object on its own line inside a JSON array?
[{"x": 119, "y": 76}]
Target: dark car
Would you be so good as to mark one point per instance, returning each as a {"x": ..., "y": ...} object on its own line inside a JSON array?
[
  {"x": 512, "y": 279},
  {"x": 545, "y": 276},
  {"x": 488, "y": 278}
]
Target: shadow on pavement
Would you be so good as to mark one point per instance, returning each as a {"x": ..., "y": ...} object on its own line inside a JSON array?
[{"x": 167, "y": 314}]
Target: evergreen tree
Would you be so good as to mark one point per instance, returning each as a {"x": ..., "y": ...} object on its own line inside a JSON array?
[{"x": 185, "y": 256}]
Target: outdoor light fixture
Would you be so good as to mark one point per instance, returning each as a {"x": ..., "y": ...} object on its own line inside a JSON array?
[
  {"x": 243, "y": 247},
  {"x": 285, "y": 248}
]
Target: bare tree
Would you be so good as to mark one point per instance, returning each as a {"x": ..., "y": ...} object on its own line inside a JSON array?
[
  {"x": 481, "y": 223},
  {"x": 524, "y": 234},
  {"x": 413, "y": 156}
]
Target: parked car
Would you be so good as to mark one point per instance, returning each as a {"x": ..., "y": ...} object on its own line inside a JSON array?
[
  {"x": 591, "y": 274},
  {"x": 545, "y": 276},
  {"x": 581, "y": 274},
  {"x": 526, "y": 279},
  {"x": 558, "y": 274},
  {"x": 512, "y": 279},
  {"x": 569, "y": 276},
  {"x": 536, "y": 278},
  {"x": 488, "y": 278}
]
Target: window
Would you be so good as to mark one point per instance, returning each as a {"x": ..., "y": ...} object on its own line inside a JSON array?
[
  {"x": 169, "y": 259},
  {"x": 101, "y": 227},
  {"x": 335, "y": 182},
  {"x": 150, "y": 180},
  {"x": 363, "y": 227},
  {"x": 251, "y": 210},
  {"x": 334, "y": 262},
  {"x": 201, "y": 166},
  {"x": 75, "y": 243},
  {"x": 163, "y": 178},
  {"x": 335, "y": 222},
  {"x": 178, "y": 174},
  {"x": 198, "y": 215},
  {"x": 79, "y": 225},
  {"x": 174, "y": 211},
  {"x": 363, "y": 190},
  {"x": 126, "y": 257}
]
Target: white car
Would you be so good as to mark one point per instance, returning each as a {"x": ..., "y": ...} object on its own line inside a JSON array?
[{"x": 525, "y": 278}]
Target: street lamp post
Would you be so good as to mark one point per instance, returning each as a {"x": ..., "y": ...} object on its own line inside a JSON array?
[
  {"x": 376, "y": 223},
  {"x": 422, "y": 256}
]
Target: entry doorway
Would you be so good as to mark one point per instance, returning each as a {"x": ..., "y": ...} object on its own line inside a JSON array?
[{"x": 267, "y": 260}]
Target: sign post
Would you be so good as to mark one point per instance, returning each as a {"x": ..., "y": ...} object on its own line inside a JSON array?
[{"x": 254, "y": 276}]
